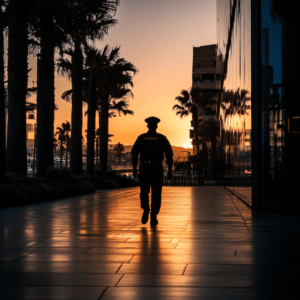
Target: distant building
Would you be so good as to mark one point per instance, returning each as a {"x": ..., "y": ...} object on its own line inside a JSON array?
[{"x": 205, "y": 76}]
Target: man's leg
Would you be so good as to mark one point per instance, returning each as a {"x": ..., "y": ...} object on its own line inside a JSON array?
[
  {"x": 144, "y": 195},
  {"x": 144, "y": 183},
  {"x": 155, "y": 198},
  {"x": 156, "y": 188}
]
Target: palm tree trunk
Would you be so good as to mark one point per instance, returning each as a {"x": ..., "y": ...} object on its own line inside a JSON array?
[
  {"x": 66, "y": 162},
  {"x": 213, "y": 155},
  {"x": 2, "y": 102},
  {"x": 61, "y": 154},
  {"x": 104, "y": 133},
  {"x": 195, "y": 121},
  {"x": 97, "y": 153},
  {"x": 17, "y": 86},
  {"x": 91, "y": 125},
  {"x": 76, "y": 135},
  {"x": 45, "y": 100}
]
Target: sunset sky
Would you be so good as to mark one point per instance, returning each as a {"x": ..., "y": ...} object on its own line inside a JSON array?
[{"x": 157, "y": 36}]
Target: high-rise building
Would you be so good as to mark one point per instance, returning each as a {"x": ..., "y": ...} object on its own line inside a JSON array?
[{"x": 258, "y": 106}]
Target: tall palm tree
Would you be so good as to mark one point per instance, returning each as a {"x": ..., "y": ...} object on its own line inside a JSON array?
[
  {"x": 41, "y": 20},
  {"x": 191, "y": 102},
  {"x": 97, "y": 137},
  {"x": 106, "y": 79},
  {"x": 17, "y": 85},
  {"x": 234, "y": 103},
  {"x": 95, "y": 60},
  {"x": 61, "y": 139},
  {"x": 55, "y": 144},
  {"x": 83, "y": 21},
  {"x": 98, "y": 62},
  {"x": 114, "y": 89},
  {"x": 2, "y": 92},
  {"x": 67, "y": 129},
  {"x": 119, "y": 148}
]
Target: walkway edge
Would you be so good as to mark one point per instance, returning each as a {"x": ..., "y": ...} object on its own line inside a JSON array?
[{"x": 247, "y": 204}]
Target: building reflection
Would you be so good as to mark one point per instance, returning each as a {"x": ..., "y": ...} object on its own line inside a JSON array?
[
  {"x": 234, "y": 104},
  {"x": 265, "y": 39}
]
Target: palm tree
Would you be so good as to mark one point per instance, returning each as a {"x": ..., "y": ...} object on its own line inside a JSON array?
[
  {"x": 106, "y": 76},
  {"x": 67, "y": 128},
  {"x": 17, "y": 85},
  {"x": 190, "y": 103},
  {"x": 64, "y": 140},
  {"x": 208, "y": 130},
  {"x": 83, "y": 21},
  {"x": 61, "y": 139},
  {"x": 55, "y": 143},
  {"x": 119, "y": 148},
  {"x": 41, "y": 20},
  {"x": 234, "y": 103},
  {"x": 95, "y": 61},
  {"x": 114, "y": 89}
]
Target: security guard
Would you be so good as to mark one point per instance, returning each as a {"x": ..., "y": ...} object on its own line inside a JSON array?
[{"x": 151, "y": 147}]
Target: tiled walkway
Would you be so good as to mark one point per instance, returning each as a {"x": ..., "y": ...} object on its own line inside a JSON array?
[{"x": 207, "y": 245}]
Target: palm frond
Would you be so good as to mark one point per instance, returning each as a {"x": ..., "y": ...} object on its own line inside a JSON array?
[
  {"x": 64, "y": 67},
  {"x": 67, "y": 95},
  {"x": 182, "y": 114}
]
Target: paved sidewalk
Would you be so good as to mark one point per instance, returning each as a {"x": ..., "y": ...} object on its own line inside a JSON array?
[{"x": 207, "y": 245}]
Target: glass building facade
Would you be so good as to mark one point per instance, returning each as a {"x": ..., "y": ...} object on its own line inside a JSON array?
[
  {"x": 234, "y": 63},
  {"x": 258, "y": 155}
]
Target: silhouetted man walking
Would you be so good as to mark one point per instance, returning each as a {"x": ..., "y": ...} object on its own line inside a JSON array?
[{"x": 151, "y": 147}]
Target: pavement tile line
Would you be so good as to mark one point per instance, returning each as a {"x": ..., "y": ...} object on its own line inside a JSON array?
[
  {"x": 20, "y": 258},
  {"x": 119, "y": 268},
  {"x": 119, "y": 280},
  {"x": 236, "y": 195},
  {"x": 103, "y": 293},
  {"x": 184, "y": 269},
  {"x": 230, "y": 195},
  {"x": 87, "y": 250}
]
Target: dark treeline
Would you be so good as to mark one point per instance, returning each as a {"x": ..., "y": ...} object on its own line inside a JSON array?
[{"x": 101, "y": 78}]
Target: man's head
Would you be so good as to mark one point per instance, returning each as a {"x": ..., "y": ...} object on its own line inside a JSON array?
[{"x": 152, "y": 123}]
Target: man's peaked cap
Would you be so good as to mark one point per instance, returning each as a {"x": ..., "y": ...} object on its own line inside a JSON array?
[{"x": 152, "y": 120}]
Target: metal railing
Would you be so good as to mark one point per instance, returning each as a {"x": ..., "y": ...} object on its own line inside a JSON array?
[{"x": 183, "y": 180}]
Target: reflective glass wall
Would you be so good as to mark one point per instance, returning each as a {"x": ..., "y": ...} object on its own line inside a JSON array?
[
  {"x": 280, "y": 103},
  {"x": 234, "y": 106}
]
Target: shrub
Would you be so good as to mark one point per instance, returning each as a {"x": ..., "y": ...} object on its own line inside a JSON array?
[
  {"x": 101, "y": 183},
  {"x": 58, "y": 175},
  {"x": 58, "y": 183},
  {"x": 125, "y": 181},
  {"x": 19, "y": 190}
]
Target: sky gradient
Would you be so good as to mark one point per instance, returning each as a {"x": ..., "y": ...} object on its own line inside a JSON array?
[{"x": 158, "y": 38}]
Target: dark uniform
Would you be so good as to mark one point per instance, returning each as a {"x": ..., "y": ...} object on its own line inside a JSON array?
[{"x": 151, "y": 147}]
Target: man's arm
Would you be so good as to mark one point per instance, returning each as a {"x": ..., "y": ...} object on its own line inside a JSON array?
[
  {"x": 169, "y": 156},
  {"x": 135, "y": 157}
]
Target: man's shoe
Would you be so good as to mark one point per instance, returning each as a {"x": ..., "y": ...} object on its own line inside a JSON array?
[
  {"x": 154, "y": 221},
  {"x": 145, "y": 216}
]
